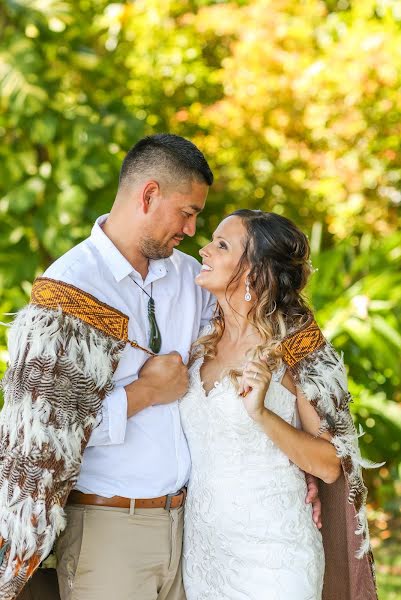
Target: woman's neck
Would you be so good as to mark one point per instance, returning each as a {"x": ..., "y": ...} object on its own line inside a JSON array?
[{"x": 237, "y": 327}]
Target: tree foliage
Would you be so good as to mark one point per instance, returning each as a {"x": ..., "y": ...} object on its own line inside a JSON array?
[{"x": 295, "y": 104}]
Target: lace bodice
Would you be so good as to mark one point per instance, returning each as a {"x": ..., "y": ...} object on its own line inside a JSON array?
[
  {"x": 247, "y": 527},
  {"x": 219, "y": 420}
]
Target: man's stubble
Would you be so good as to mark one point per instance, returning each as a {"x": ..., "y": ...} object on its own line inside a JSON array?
[{"x": 155, "y": 250}]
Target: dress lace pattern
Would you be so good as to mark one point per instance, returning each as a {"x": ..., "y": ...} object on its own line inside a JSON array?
[{"x": 248, "y": 533}]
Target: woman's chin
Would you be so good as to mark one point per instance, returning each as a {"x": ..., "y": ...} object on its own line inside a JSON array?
[{"x": 202, "y": 280}]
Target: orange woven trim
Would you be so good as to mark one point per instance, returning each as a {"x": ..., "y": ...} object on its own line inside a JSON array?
[
  {"x": 50, "y": 293},
  {"x": 301, "y": 343}
]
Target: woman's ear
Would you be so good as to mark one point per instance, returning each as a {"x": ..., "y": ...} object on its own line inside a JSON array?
[{"x": 247, "y": 270}]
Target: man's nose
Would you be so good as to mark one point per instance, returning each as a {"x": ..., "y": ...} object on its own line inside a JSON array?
[{"x": 190, "y": 228}]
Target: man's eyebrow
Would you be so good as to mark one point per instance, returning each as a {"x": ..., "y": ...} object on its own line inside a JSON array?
[{"x": 196, "y": 208}]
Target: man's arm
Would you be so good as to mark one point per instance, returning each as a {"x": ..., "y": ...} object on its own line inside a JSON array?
[
  {"x": 208, "y": 306},
  {"x": 162, "y": 379},
  {"x": 111, "y": 429}
]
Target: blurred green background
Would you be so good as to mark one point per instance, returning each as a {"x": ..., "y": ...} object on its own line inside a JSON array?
[{"x": 297, "y": 106}]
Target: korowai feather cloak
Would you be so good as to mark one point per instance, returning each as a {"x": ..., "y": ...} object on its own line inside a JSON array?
[{"x": 64, "y": 348}]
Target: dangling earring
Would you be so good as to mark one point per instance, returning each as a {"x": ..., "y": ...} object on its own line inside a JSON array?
[{"x": 247, "y": 296}]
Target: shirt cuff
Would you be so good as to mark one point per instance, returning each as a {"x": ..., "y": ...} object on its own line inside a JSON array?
[{"x": 111, "y": 429}]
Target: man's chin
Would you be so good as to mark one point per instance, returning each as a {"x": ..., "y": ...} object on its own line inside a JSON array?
[
  {"x": 154, "y": 251},
  {"x": 166, "y": 253}
]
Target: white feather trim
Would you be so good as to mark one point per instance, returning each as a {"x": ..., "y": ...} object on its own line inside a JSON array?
[{"x": 43, "y": 344}]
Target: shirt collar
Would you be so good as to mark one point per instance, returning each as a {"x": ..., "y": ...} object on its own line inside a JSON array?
[{"x": 116, "y": 262}]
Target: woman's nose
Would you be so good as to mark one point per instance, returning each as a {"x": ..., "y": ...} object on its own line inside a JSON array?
[{"x": 203, "y": 251}]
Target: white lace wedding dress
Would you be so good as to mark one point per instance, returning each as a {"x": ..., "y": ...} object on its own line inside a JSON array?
[{"x": 248, "y": 533}]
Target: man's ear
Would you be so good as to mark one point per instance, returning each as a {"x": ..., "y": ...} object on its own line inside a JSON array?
[{"x": 150, "y": 192}]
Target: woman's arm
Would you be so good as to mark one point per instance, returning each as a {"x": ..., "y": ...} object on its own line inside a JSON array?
[{"x": 315, "y": 455}]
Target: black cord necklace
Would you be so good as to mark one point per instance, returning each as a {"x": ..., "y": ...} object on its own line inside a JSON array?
[{"x": 155, "y": 338}]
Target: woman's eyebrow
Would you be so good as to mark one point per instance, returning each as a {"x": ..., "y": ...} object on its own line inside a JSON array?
[{"x": 219, "y": 237}]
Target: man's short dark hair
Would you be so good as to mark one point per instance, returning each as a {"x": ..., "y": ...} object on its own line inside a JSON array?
[{"x": 168, "y": 157}]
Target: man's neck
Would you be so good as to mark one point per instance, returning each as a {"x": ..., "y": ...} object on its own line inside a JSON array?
[{"x": 130, "y": 251}]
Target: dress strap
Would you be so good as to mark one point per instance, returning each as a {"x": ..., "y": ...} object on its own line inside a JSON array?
[{"x": 278, "y": 374}]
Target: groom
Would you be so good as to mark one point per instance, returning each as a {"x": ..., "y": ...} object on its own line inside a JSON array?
[{"x": 125, "y": 515}]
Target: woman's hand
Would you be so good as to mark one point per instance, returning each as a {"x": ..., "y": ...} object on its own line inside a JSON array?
[{"x": 253, "y": 387}]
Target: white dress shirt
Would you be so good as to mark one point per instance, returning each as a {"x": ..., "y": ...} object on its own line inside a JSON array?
[{"x": 146, "y": 455}]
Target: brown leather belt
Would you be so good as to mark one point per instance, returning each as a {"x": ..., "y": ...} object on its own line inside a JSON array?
[{"x": 167, "y": 502}]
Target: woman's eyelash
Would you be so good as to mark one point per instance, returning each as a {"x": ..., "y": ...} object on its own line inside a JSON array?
[{"x": 223, "y": 245}]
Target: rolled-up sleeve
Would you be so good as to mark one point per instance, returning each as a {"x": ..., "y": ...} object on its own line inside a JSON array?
[{"x": 111, "y": 429}]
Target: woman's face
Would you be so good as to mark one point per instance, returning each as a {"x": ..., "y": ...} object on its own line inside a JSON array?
[{"x": 220, "y": 258}]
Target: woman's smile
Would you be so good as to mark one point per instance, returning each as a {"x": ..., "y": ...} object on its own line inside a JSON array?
[{"x": 206, "y": 267}]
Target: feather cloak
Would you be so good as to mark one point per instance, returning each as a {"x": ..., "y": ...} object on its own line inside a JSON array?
[
  {"x": 320, "y": 373},
  {"x": 60, "y": 370},
  {"x": 64, "y": 348}
]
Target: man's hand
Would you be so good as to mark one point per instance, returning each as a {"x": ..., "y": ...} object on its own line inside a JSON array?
[
  {"x": 168, "y": 376},
  {"x": 162, "y": 379},
  {"x": 313, "y": 497}
]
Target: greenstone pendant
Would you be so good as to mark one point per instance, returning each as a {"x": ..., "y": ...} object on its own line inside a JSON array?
[{"x": 155, "y": 339}]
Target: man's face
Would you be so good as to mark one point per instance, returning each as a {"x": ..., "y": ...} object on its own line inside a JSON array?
[{"x": 173, "y": 216}]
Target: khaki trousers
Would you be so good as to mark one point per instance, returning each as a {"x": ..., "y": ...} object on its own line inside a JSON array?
[{"x": 120, "y": 554}]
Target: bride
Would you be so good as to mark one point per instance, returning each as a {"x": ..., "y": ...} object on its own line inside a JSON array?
[{"x": 252, "y": 433}]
